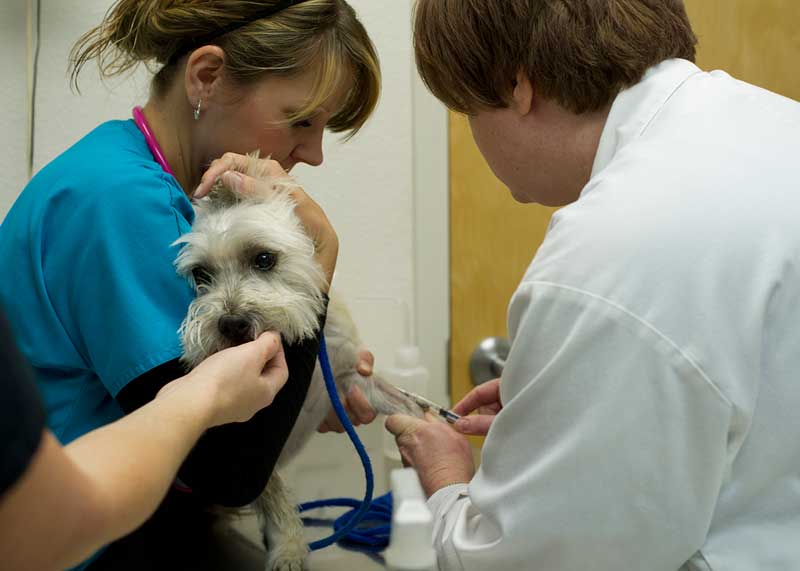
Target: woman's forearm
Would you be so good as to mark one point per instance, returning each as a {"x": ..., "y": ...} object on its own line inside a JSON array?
[
  {"x": 132, "y": 462},
  {"x": 73, "y": 500}
]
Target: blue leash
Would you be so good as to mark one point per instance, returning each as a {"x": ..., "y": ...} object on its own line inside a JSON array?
[
  {"x": 372, "y": 538},
  {"x": 345, "y": 527}
]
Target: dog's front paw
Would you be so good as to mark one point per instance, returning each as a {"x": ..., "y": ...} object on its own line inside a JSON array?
[{"x": 287, "y": 555}]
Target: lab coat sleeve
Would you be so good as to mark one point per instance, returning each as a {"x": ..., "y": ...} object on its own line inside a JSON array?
[
  {"x": 609, "y": 453},
  {"x": 445, "y": 505}
]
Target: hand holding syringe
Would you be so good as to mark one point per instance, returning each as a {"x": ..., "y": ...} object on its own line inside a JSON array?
[{"x": 426, "y": 404}]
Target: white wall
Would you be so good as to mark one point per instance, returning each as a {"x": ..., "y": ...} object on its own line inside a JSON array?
[
  {"x": 13, "y": 90},
  {"x": 385, "y": 190}
]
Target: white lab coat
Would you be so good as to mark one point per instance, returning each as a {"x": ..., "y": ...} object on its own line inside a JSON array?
[{"x": 652, "y": 393}]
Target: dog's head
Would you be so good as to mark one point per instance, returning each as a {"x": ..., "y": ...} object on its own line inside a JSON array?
[{"x": 253, "y": 268}]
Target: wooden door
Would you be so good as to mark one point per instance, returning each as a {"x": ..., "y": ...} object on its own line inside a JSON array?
[{"x": 493, "y": 238}]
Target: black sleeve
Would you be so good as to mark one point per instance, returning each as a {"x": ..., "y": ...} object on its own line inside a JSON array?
[
  {"x": 231, "y": 464},
  {"x": 22, "y": 414}
]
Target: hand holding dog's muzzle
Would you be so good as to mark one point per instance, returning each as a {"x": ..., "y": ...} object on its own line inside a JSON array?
[{"x": 236, "y": 383}]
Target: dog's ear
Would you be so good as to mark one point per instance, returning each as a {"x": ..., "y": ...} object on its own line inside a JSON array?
[
  {"x": 255, "y": 167},
  {"x": 221, "y": 196},
  {"x": 259, "y": 170}
]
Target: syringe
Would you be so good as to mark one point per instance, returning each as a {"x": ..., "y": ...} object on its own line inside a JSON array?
[{"x": 426, "y": 404}]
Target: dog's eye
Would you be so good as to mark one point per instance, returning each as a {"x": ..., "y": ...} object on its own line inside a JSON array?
[
  {"x": 265, "y": 261},
  {"x": 201, "y": 276}
]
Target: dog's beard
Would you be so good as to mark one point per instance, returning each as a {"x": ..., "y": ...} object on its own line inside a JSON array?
[{"x": 294, "y": 314}]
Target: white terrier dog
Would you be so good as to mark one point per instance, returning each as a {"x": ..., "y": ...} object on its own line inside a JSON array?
[{"x": 254, "y": 270}]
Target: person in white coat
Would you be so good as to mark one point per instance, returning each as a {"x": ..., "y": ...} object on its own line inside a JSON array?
[{"x": 648, "y": 416}]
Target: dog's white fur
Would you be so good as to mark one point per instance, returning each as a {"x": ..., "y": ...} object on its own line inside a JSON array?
[
  {"x": 226, "y": 234},
  {"x": 229, "y": 232}
]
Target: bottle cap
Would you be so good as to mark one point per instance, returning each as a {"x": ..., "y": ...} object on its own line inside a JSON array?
[{"x": 407, "y": 357}]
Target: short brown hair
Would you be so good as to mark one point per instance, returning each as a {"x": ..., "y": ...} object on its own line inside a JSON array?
[
  {"x": 580, "y": 53},
  {"x": 323, "y": 36}
]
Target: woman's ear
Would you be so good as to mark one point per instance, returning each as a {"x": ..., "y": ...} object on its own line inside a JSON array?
[
  {"x": 203, "y": 76},
  {"x": 522, "y": 96}
]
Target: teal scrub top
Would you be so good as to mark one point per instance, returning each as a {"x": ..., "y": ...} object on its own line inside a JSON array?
[{"x": 89, "y": 287}]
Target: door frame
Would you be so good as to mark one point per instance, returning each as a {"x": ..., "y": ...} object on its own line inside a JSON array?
[{"x": 430, "y": 234}]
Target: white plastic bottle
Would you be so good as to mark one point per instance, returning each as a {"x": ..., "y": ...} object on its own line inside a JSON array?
[
  {"x": 411, "y": 542},
  {"x": 410, "y": 374}
]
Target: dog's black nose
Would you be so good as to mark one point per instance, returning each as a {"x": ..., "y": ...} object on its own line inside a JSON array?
[{"x": 234, "y": 327}]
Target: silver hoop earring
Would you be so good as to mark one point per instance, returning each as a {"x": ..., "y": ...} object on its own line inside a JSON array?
[{"x": 197, "y": 110}]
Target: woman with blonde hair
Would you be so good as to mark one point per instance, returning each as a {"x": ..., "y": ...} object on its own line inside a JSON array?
[{"x": 95, "y": 302}]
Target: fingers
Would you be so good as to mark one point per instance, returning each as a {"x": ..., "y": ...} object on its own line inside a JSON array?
[
  {"x": 359, "y": 407},
  {"x": 235, "y": 163},
  {"x": 276, "y": 374},
  {"x": 400, "y": 424},
  {"x": 482, "y": 395},
  {"x": 331, "y": 422},
  {"x": 358, "y": 410},
  {"x": 475, "y": 425},
  {"x": 329, "y": 426},
  {"x": 366, "y": 362},
  {"x": 240, "y": 183},
  {"x": 245, "y": 185},
  {"x": 228, "y": 161},
  {"x": 275, "y": 371},
  {"x": 269, "y": 343}
]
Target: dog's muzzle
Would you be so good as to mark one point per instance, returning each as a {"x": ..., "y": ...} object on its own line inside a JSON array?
[{"x": 235, "y": 328}]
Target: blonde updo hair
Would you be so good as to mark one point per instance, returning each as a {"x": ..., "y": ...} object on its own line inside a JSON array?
[{"x": 324, "y": 36}]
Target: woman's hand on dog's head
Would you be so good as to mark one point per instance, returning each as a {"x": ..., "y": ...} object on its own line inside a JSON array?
[
  {"x": 231, "y": 168},
  {"x": 236, "y": 163}
]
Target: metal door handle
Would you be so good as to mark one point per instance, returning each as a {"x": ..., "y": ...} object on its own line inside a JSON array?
[{"x": 488, "y": 359}]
